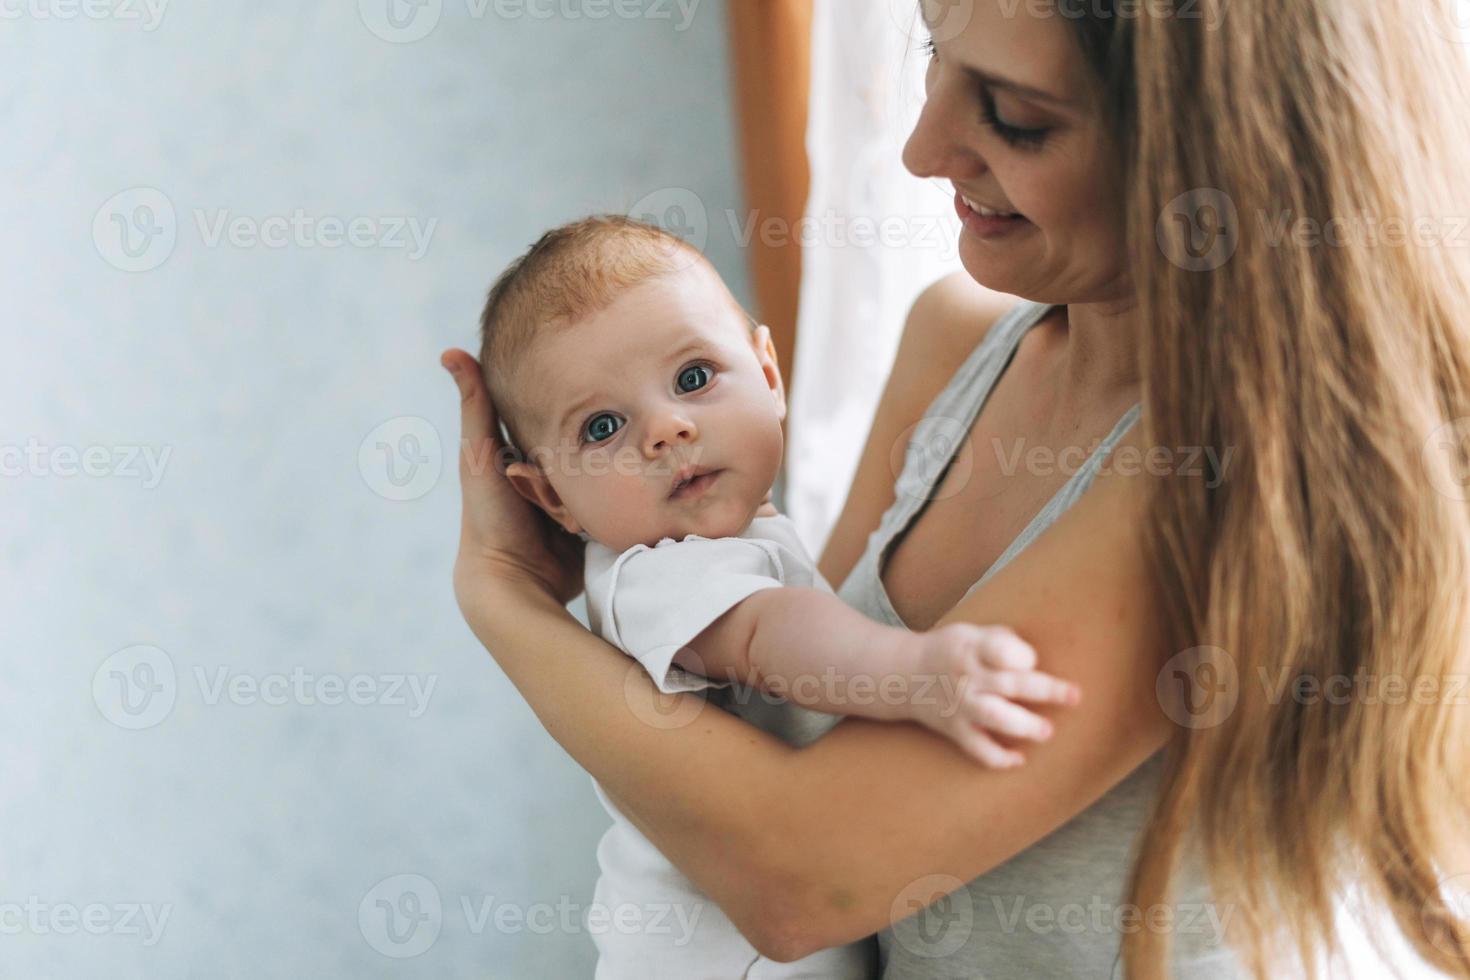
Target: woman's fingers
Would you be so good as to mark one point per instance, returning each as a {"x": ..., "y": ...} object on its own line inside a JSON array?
[{"x": 477, "y": 441}]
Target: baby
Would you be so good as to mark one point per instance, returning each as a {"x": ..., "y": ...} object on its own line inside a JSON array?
[{"x": 647, "y": 407}]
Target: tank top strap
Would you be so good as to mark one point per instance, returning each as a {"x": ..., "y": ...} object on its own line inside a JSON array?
[
  {"x": 935, "y": 440},
  {"x": 949, "y": 417},
  {"x": 1075, "y": 487}
]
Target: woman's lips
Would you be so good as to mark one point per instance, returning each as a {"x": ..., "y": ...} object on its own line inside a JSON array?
[
  {"x": 696, "y": 487},
  {"x": 986, "y": 226}
]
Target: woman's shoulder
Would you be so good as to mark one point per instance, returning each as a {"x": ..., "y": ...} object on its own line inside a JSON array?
[{"x": 951, "y": 317}]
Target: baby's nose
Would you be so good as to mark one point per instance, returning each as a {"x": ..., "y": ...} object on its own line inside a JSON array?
[{"x": 669, "y": 430}]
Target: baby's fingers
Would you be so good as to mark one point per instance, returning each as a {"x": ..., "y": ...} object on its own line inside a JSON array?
[
  {"x": 1033, "y": 686},
  {"x": 986, "y": 751},
  {"x": 1002, "y": 649},
  {"x": 995, "y": 714}
]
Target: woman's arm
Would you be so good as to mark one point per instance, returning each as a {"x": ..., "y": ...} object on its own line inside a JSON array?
[{"x": 798, "y": 846}]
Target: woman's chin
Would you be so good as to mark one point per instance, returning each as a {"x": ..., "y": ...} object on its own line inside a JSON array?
[{"x": 991, "y": 270}]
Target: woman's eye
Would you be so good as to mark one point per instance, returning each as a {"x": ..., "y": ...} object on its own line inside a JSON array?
[
  {"x": 1020, "y": 137},
  {"x": 697, "y": 375},
  {"x": 1017, "y": 136},
  {"x": 601, "y": 427}
]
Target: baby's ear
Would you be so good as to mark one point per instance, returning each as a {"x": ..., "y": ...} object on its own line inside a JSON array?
[
  {"x": 530, "y": 482},
  {"x": 765, "y": 353}
]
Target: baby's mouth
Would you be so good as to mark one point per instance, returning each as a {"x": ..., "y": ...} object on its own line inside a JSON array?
[{"x": 692, "y": 481}]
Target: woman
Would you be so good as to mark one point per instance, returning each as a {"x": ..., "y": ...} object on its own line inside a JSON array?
[{"x": 1162, "y": 162}]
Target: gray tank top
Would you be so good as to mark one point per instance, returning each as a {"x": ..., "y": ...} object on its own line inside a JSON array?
[{"x": 1058, "y": 908}]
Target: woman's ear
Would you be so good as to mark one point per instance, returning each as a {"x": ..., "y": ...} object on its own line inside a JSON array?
[
  {"x": 531, "y": 482},
  {"x": 765, "y": 353}
]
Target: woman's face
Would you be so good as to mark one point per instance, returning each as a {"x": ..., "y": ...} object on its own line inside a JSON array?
[{"x": 1010, "y": 120}]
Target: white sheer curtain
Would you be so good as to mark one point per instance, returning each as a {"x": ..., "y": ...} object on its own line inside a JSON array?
[{"x": 873, "y": 237}]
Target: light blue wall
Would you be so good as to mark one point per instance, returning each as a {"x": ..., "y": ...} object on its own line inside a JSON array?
[{"x": 268, "y": 545}]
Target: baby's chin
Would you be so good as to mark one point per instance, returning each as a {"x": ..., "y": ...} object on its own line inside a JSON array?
[{"x": 724, "y": 522}]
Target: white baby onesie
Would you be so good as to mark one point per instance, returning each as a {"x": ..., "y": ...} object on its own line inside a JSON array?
[{"x": 650, "y": 602}]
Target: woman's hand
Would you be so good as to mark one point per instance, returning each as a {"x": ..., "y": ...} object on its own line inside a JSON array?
[{"x": 502, "y": 536}]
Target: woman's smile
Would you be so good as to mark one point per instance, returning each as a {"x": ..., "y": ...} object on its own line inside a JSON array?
[{"x": 987, "y": 225}]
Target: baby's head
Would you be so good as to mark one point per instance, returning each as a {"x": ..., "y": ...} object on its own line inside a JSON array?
[{"x": 617, "y": 359}]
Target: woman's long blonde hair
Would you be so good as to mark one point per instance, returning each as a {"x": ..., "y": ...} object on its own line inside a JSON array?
[{"x": 1337, "y": 367}]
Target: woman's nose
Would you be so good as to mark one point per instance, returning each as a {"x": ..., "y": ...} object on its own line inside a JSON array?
[
  {"x": 667, "y": 429},
  {"x": 935, "y": 148}
]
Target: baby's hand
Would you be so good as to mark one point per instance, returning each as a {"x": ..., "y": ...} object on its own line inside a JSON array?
[{"x": 968, "y": 680}]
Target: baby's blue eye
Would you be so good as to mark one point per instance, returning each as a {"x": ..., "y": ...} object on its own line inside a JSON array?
[
  {"x": 695, "y": 371},
  {"x": 605, "y": 425},
  {"x": 597, "y": 431}
]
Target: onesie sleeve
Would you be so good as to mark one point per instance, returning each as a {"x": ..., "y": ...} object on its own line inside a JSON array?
[{"x": 660, "y": 598}]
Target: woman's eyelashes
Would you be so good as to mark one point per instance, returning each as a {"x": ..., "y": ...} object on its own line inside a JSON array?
[
  {"x": 696, "y": 376},
  {"x": 1021, "y": 137}
]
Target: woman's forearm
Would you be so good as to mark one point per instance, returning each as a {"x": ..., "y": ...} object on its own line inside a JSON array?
[
  {"x": 796, "y": 845},
  {"x": 670, "y": 762}
]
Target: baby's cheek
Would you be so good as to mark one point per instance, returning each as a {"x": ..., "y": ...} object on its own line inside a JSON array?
[{"x": 624, "y": 501}]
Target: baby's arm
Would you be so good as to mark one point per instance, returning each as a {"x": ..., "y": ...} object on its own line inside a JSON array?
[{"x": 808, "y": 646}]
